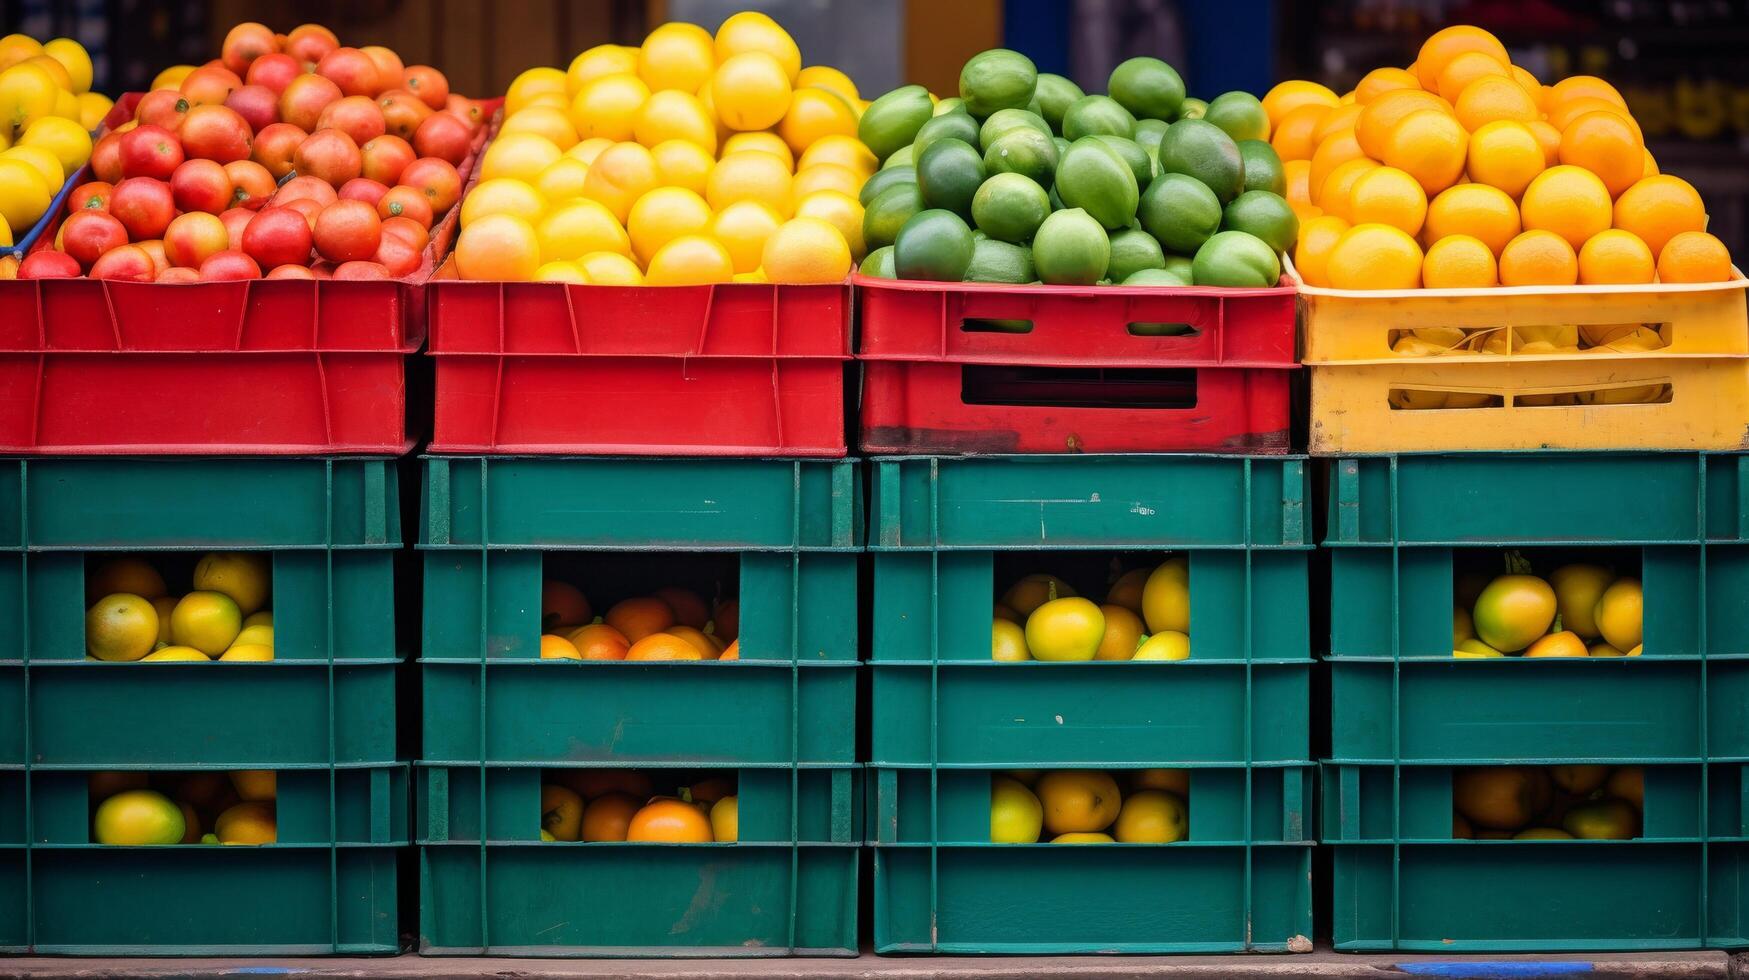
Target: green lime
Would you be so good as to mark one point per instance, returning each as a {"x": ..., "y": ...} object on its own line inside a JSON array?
[
  {"x": 948, "y": 174},
  {"x": 1180, "y": 211},
  {"x": 1233, "y": 258},
  {"x": 1191, "y": 109},
  {"x": 1055, "y": 94},
  {"x": 1010, "y": 207},
  {"x": 1240, "y": 115},
  {"x": 879, "y": 263},
  {"x": 1204, "y": 151},
  {"x": 1148, "y": 87},
  {"x": 883, "y": 179},
  {"x": 998, "y": 261},
  {"x": 997, "y": 79},
  {"x": 1132, "y": 250},
  {"x": 933, "y": 245},
  {"x": 1263, "y": 169},
  {"x": 1023, "y": 150},
  {"x": 904, "y": 156},
  {"x": 1071, "y": 249},
  {"x": 1003, "y": 121},
  {"x": 1056, "y": 199},
  {"x": 893, "y": 120},
  {"x": 1264, "y": 215},
  {"x": 1094, "y": 177},
  {"x": 1132, "y": 153},
  {"x": 1180, "y": 266},
  {"x": 1148, "y": 133},
  {"x": 953, "y": 104},
  {"x": 888, "y": 212},
  {"x": 954, "y": 125},
  {"x": 1166, "y": 275},
  {"x": 1092, "y": 115}
]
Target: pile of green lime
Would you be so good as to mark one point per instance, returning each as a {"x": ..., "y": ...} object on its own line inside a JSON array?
[{"x": 1025, "y": 178}]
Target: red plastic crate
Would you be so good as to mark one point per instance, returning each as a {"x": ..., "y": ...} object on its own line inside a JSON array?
[
  {"x": 1078, "y": 380},
  {"x": 739, "y": 369},
  {"x": 284, "y": 367}
]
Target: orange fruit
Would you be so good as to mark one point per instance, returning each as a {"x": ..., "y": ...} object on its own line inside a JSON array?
[
  {"x": 688, "y": 608},
  {"x": 640, "y": 617},
  {"x": 1549, "y": 138},
  {"x": 750, "y": 176},
  {"x": 699, "y": 640},
  {"x": 601, "y": 60},
  {"x": 1293, "y": 94},
  {"x": 1615, "y": 256},
  {"x": 622, "y": 173},
  {"x": 1584, "y": 87},
  {"x": 1372, "y": 129},
  {"x": 670, "y": 115},
  {"x": 502, "y": 195},
  {"x": 1340, "y": 118},
  {"x": 1560, "y": 116},
  {"x": 750, "y": 91},
  {"x": 1297, "y": 174},
  {"x": 690, "y": 260},
  {"x": 1658, "y": 208},
  {"x": 1651, "y": 167},
  {"x": 563, "y": 606},
  {"x": 742, "y": 228},
  {"x": 608, "y": 816},
  {"x": 598, "y": 641},
  {"x": 1488, "y": 99},
  {"x": 806, "y": 250},
  {"x": 1329, "y": 155},
  {"x": 1459, "y": 262},
  {"x": 1474, "y": 210},
  {"x": 1333, "y": 197},
  {"x": 664, "y": 646},
  {"x": 577, "y": 228},
  {"x": 130, "y": 575},
  {"x": 732, "y": 651},
  {"x": 1446, "y": 45},
  {"x": 838, "y": 209},
  {"x": 1570, "y": 201},
  {"x": 676, "y": 56},
  {"x": 682, "y": 163},
  {"x": 1467, "y": 69},
  {"x": 1292, "y": 136},
  {"x": 663, "y": 215},
  {"x": 1430, "y": 146},
  {"x": 837, "y": 149},
  {"x": 1536, "y": 90},
  {"x": 1388, "y": 196},
  {"x": 1381, "y": 80},
  {"x": 607, "y": 107},
  {"x": 1312, "y": 252},
  {"x": 557, "y": 648},
  {"x": 670, "y": 821},
  {"x": 498, "y": 248},
  {"x": 813, "y": 115},
  {"x": 751, "y": 30},
  {"x": 1694, "y": 256},
  {"x": 1538, "y": 258},
  {"x": 1506, "y": 154},
  {"x": 1375, "y": 256},
  {"x": 611, "y": 268},
  {"x": 1604, "y": 143}
]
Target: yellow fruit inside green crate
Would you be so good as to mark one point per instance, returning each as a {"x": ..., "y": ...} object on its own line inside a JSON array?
[{"x": 138, "y": 817}]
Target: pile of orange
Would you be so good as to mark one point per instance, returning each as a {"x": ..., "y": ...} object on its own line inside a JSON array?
[
  {"x": 1463, "y": 170},
  {"x": 613, "y": 805},
  {"x": 690, "y": 159},
  {"x": 671, "y": 624}
]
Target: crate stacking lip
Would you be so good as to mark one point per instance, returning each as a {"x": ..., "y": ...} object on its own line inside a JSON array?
[
  {"x": 283, "y": 367},
  {"x": 1703, "y": 369},
  {"x": 729, "y": 369},
  {"x": 973, "y": 368}
]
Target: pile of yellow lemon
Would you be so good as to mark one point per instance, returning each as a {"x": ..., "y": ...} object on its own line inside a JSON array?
[
  {"x": 1463, "y": 170},
  {"x": 687, "y": 160},
  {"x": 134, "y": 809},
  {"x": 47, "y": 113},
  {"x": 1087, "y": 806},
  {"x": 224, "y": 616},
  {"x": 1145, "y": 616}
]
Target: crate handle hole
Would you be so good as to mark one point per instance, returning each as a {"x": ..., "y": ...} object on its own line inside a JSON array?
[
  {"x": 1079, "y": 387},
  {"x": 1162, "y": 330},
  {"x": 992, "y": 325}
]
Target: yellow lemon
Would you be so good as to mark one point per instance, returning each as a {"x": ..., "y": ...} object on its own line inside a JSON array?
[
  {"x": 844, "y": 151},
  {"x": 245, "y": 576},
  {"x": 24, "y": 195},
  {"x": 534, "y": 82},
  {"x": 562, "y": 180},
  {"x": 14, "y": 48},
  {"x": 69, "y": 141},
  {"x": 175, "y": 654},
  {"x": 763, "y": 142},
  {"x": 813, "y": 115},
  {"x": 1007, "y": 641},
  {"x": 750, "y": 91},
  {"x": 518, "y": 156},
  {"x": 255, "y": 635},
  {"x": 1619, "y": 613},
  {"x": 725, "y": 820},
  {"x": 587, "y": 150},
  {"x": 247, "y": 823},
  {"x": 163, "y": 606},
  {"x": 121, "y": 627},
  {"x": 607, "y": 107},
  {"x": 676, "y": 56},
  {"x": 1152, "y": 816},
  {"x": 207, "y": 621},
  {"x": 806, "y": 250},
  {"x": 503, "y": 195},
  {"x": 825, "y": 177},
  {"x": 824, "y": 76},
  {"x": 670, "y": 115},
  {"x": 170, "y": 77},
  {"x": 663, "y": 215},
  {"x": 1164, "y": 645},
  {"x": 497, "y": 247},
  {"x": 136, "y": 818},
  {"x": 1166, "y": 597},
  {"x": 751, "y": 30},
  {"x": 1016, "y": 816},
  {"x": 262, "y": 617},
  {"x": 551, "y": 122},
  {"x": 622, "y": 173},
  {"x": 690, "y": 260},
  {"x": 599, "y": 61},
  {"x": 743, "y": 228},
  {"x": 682, "y": 163},
  {"x": 838, "y": 209},
  {"x": 750, "y": 176},
  {"x": 38, "y": 159},
  {"x": 578, "y": 227},
  {"x": 560, "y": 272},
  {"x": 611, "y": 269}
]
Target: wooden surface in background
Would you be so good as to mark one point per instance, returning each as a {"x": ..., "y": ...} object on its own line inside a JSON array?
[{"x": 940, "y": 36}]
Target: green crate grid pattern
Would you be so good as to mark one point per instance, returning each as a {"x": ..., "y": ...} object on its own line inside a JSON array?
[
  {"x": 331, "y": 525},
  {"x": 1233, "y": 514},
  {"x": 797, "y": 529},
  {"x": 1417, "y": 508}
]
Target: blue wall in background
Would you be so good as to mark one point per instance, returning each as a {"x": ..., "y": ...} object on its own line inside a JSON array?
[{"x": 1232, "y": 42}]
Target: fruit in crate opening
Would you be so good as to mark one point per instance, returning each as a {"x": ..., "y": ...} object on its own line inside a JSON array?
[
  {"x": 656, "y": 627},
  {"x": 1561, "y": 802},
  {"x": 1491, "y": 151},
  {"x": 1579, "y": 609},
  {"x": 1085, "y": 806},
  {"x": 135, "y": 618},
  {"x": 160, "y": 808},
  {"x": 1041, "y": 617},
  {"x": 620, "y": 805}
]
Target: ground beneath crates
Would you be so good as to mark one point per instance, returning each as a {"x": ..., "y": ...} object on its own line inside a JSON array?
[{"x": 1321, "y": 964}]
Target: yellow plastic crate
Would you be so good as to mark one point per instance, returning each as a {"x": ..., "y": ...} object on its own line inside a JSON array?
[{"x": 1485, "y": 389}]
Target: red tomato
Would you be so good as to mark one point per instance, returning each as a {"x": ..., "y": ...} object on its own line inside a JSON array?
[
  {"x": 176, "y": 274},
  {"x": 360, "y": 270},
  {"x": 90, "y": 196},
  {"x": 202, "y": 185},
  {"x": 193, "y": 237},
  {"x": 209, "y": 85},
  {"x": 330, "y": 155},
  {"x": 144, "y": 206},
  {"x": 251, "y": 183},
  {"x": 86, "y": 235},
  {"x": 129, "y": 263},
  {"x": 363, "y": 189},
  {"x": 163, "y": 108},
  {"x": 48, "y": 264},
  {"x": 229, "y": 265},
  {"x": 402, "y": 112},
  {"x": 428, "y": 84},
  {"x": 257, "y": 104},
  {"x": 310, "y": 43},
  {"x": 406, "y": 202},
  {"x": 443, "y": 136},
  {"x": 106, "y": 158},
  {"x": 273, "y": 72},
  {"x": 305, "y": 186},
  {"x": 407, "y": 230},
  {"x": 244, "y": 43},
  {"x": 397, "y": 256},
  {"x": 437, "y": 180},
  {"x": 278, "y": 236},
  {"x": 348, "y": 231},
  {"x": 236, "y": 220},
  {"x": 356, "y": 116},
  {"x": 149, "y": 151},
  {"x": 384, "y": 158},
  {"x": 304, "y": 98},
  {"x": 290, "y": 272},
  {"x": 352, "y": 70}
]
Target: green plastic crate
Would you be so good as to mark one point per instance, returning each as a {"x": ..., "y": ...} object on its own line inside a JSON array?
[
  {"x": 1402, "y": 883},
  {"x": 941, "y": 706},
  {"x": 327, "y": 887},
  {"x": 494, "y": 528},
  {"x": 1240, "y": 882},
  {"x": 490, "y": 886}
]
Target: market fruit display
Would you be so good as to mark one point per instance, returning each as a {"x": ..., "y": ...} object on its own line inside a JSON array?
[
  {"x": 288, "y": 156},
  {"x": 137, "y": 809},
  {"x": 1145, "y": 616},
  {"x": 1465, "y": 171},
  {"x": 225, "y": 614},
  {"x": 691, "y": 159},
  {"x": 1024, "y": 178},
  {"x": 1565, "y": 802},
  {"x": 672, "y": 624},
  {"x": 47, "y": 113},
  {"x": 1577, "y": 610},
  {"x": 1090, "y": 806},
  {"x": 629, "y": 805}
]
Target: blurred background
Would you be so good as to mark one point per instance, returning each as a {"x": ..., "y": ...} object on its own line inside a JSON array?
[{"x": 1678, "y": 62}]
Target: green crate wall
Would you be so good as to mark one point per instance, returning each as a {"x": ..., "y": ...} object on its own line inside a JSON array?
[
  {"x": 1403, "y": 710},
  {"x": 322, "y": 713},
  {"x": 783, "y": 716},
  {"x": 1236, "y": 712}
]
